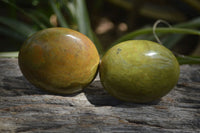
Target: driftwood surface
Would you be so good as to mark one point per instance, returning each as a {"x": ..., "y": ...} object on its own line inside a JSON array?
[{"x": 25, "y": 108}]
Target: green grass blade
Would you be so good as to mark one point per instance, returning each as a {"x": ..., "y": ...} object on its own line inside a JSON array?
[
  {"x": 171, "y": 40},
  {"x": 18, "y": 26},
  {"x": 84, "y": 23},
  {"x": 188, "y": 60},
  {"x": 195, "y": 23},
  {"x": 9, "y": 54},
  {"x": 83, "y": 18},
  {"x": 132, "y": 35},
  {"x": 41, "y": 25},
  {"x": 98, "y": 45},
  {"x": 43, "y": 17},
  {"x": 12, "y": 34},
  {"x": 70, "y": 9},
  {"x": 168, "y": 42},
  {"x": 58, "y": 13}
]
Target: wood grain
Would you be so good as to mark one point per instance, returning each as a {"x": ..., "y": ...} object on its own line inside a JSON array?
[{"x": 24, "y": 108}]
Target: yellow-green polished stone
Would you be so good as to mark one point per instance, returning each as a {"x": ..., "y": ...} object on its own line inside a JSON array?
[
  {"x": 59, "y": 60},
  {"x": 139, "y": 71}
]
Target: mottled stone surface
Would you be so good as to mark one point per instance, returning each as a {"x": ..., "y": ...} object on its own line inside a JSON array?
[{"x": 24, "y": 108}]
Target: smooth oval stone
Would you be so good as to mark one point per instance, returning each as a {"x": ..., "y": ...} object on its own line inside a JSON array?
[
  {"x": 59, "y": 60},
  {"x": 139, "y": 71}
]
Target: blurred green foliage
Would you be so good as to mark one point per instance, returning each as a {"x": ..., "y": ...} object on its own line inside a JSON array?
[
  {"x": 21, "y": 19},
  {"x": 76, "y": 18}
]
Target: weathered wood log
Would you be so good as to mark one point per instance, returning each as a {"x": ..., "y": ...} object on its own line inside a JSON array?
[{"x": 25, "y": 108}]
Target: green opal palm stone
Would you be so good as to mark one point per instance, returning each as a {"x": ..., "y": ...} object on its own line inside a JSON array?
[{"x": 139, "y": 71}]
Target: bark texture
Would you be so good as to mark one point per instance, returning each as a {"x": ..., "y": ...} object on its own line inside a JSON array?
[{"x": 25, "y": 108}]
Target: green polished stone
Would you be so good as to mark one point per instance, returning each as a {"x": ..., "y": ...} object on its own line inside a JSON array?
[{"x": 139, "y": 71}]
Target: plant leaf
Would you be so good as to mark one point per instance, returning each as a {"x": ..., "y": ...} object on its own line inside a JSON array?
[
  {"x": 84, "y": 24},
  {"x": 188, "y": 60},
  {"x": 18, "y": 26},
  {"x": 98, "y": 45},
  {"x": 41, "y": 25},
  {"x": 12, "y": 34},
  {"x": 70, "y": 8},
  {"x": 195, "y": 23},
  {"x": 171, "y": 40},
  {"x": 83, "y": 18},
  {"x": 43, "y": 17},
  {"x": 133, "y": 34},
  {"x": 58, "y": 13}
]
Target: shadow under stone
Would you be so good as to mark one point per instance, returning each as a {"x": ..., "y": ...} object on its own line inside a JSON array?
[{"x": 97, "y": 96}]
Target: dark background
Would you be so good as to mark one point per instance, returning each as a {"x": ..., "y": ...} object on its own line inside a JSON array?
[{"x": 110, "y": 19}]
